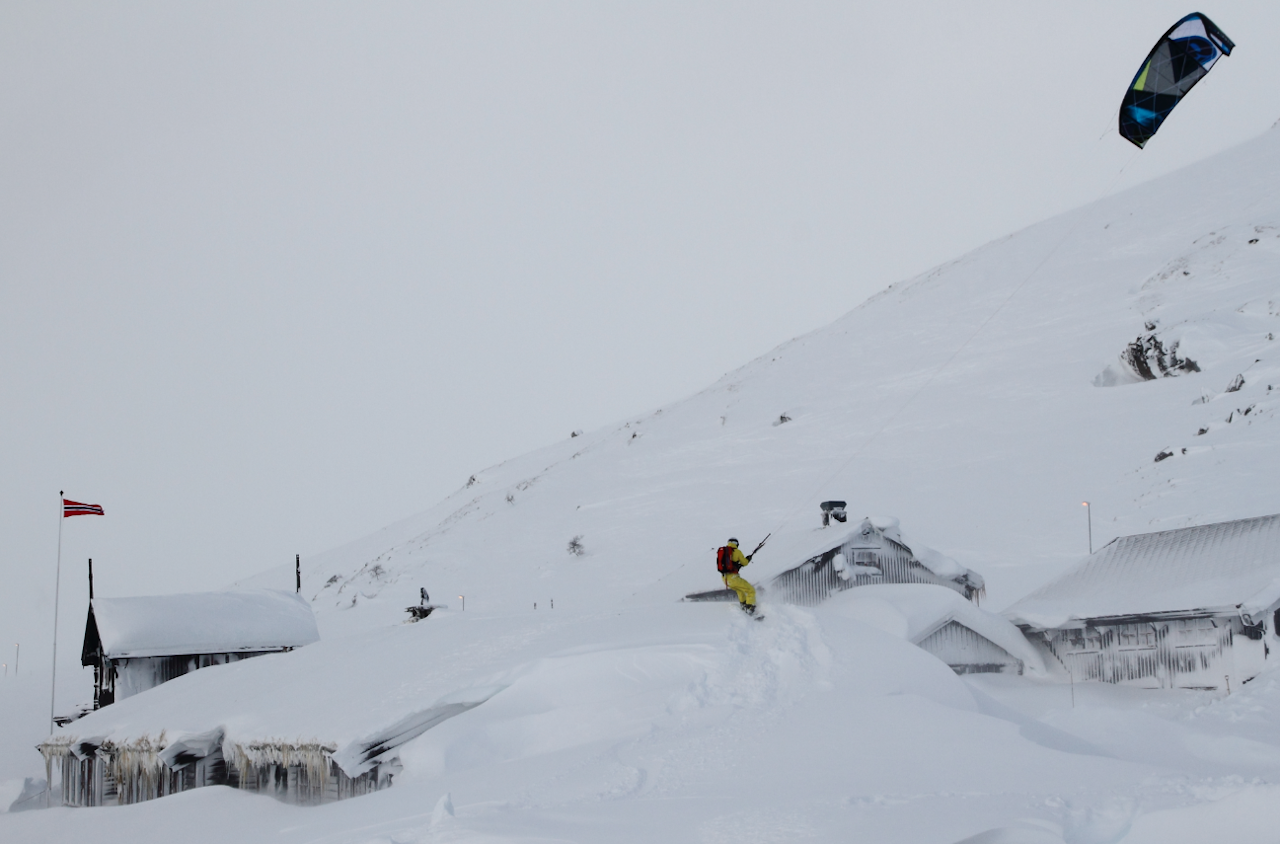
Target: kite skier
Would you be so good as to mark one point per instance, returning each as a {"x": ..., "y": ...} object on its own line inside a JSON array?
[{"x": 729, "y": 561}]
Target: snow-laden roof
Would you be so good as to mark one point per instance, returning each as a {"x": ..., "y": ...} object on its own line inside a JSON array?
[
  {"x": 203, "y": 623},
  {"x": 887, "y": 525},
  {"x": 1218, "y": 566},
  {"x": 789, "y": 549},
  {"x": 914, "y": 611}
]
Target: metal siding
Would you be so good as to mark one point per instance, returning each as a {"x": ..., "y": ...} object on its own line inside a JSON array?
[
  {"x": 968, "y": 652},
  {"x": 1202, "y": 568},
  {"x": 818, "y": 578},
  {"x": 1195, "y": 653}
]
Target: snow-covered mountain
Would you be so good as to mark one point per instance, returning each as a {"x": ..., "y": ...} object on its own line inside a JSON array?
[{"x": 980, "y": 403}]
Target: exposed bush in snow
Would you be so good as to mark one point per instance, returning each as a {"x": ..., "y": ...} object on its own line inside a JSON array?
[{"x": 576, "y": 547}]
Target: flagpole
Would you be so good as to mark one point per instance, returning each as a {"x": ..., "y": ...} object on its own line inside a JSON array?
[
  {"x": 53, "y": 681},
  {"x": 53, "y": 686}
]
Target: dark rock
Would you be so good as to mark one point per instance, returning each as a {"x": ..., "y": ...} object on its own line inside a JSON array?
[{"x": 1148, "y": 358}]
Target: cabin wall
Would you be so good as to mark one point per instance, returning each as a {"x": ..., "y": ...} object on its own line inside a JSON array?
[
  {"x": 846, "y": 567},
  {"x": 130, "y": 676},
  {"x": 968, "y": 652},
  {"x": 105, "y": 778},
  {"x": 87, "y": 782},
  {"x": 1249, "y": 652},
  {"x": 1203, "y": 652}
]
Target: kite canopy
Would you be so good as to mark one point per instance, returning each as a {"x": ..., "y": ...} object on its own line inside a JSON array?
[{"x": 1179, "y": 60}]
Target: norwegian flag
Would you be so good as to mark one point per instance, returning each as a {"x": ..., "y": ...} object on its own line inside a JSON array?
[{"x": 75, "y": 508}]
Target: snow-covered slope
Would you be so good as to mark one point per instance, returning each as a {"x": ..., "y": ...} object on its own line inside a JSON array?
[
  {"x": 979, "y": 403},
  {"x": 964, "y": 402}
]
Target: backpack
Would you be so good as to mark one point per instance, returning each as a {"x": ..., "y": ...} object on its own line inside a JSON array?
[{"x": 724, "y": 561}]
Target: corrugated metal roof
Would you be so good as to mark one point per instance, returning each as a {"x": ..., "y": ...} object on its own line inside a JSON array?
[
  {"x": 203, "y": 623},
  {"x": 1213, "y": 566}
]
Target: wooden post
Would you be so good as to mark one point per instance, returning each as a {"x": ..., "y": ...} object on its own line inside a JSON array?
[{"x": 297, "y": 570}]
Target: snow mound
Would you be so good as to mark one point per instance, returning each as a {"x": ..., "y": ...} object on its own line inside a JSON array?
[{"x": 914, "y": 611}]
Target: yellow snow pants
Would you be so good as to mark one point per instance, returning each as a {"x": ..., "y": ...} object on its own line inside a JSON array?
[{"x": 746, "y": 592}]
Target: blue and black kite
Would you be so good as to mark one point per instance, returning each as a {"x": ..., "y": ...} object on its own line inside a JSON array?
[{"x": 1179, "y": 60}]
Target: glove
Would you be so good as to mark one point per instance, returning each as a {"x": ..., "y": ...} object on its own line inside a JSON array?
[{"x": 749, "y": 558}]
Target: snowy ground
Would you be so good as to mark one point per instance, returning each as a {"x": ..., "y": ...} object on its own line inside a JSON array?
[
  {"x": 979, "y": 403},
  {"x": 688, "y": 723}
]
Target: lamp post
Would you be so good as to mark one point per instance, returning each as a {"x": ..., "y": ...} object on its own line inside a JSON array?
[{"x": 1088, "y": 511}]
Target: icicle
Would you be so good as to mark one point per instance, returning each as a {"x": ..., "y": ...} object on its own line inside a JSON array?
[
  {"x": 136, "y": 767},
  {"x": 311, "y": 758}
]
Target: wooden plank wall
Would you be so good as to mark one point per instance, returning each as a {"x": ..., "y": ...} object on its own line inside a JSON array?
[
  {"x": 91, "y": 782},
  {"x": 1186, "y": 653}
]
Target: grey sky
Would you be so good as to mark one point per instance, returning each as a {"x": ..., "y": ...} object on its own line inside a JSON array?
[{"x": 274, "y": 275}]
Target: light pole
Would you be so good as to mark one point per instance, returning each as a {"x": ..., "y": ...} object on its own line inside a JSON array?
[{"x": 1088, "y": 511}]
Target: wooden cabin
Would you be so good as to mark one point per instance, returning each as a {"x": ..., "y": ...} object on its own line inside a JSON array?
[
  {"x": 873, "y": 553},
  {"x": 97, "y": 772},
  {"x": 102, "y": 771},
  {"x": 134, "y": 644},
  {"x": 1191, "y": 608},
  {"x": 940, "y": 621}
]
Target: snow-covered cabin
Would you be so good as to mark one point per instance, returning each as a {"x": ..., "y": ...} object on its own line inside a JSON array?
[
  {"x": 317, "y": 724},
  {"x": 940, "y": 621},
  {"x": 104, "y": 771},
  {"x": 1195, "y": 607},
  {"x": 134, "y": 644},
  {"x": 872, "y": 553}
]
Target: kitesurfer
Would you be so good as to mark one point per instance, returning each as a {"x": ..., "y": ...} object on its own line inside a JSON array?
[{"x": 729, "y": 561}]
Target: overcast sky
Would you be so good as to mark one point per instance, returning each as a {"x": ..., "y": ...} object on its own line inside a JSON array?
[{"x": 273, "y": 275}]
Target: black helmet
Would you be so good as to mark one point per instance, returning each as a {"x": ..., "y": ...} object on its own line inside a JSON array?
[{"x": 733, "y": 540}]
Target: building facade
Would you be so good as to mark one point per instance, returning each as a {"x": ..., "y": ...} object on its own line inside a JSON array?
[
  {"x": 1192, "y": 608},
  {"x": 134, "y": 644}
]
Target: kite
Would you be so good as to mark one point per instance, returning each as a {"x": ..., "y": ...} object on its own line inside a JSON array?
[{"x": 1180, "y": 59}]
